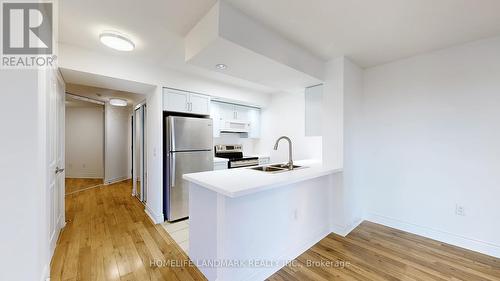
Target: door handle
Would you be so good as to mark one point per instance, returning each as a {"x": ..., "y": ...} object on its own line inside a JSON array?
[
  {"x": 172, "y": 169},
  {"x": 58, "y": 170}
]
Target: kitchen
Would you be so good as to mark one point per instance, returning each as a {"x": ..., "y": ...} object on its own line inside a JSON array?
[{"x": 193, "y": 124}]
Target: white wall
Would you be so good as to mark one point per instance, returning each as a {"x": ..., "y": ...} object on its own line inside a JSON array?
[
  {"x": 285, "y": 116},
  {"x": 433, "y": 141},
  {"x": 85, "y": 141},
  {"x": 342, "y": 133},
  {"x": 117, "y": 143},
  {"x": 24, "y": 224}
]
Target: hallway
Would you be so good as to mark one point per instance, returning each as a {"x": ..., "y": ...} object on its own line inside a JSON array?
[{"x": 108, "y": 236}]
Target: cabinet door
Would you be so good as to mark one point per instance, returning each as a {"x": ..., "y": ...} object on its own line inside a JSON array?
[
  {"x": 226, "y": 111},
  {"x": 216, "y": 118},
  {"x": 254, "y": 119},
  {"x": 199, "y": 104},
  {"x": 313, "y": 110},
  {"x": 242, "y": 112},
  {"x": 175, "y": 100}
]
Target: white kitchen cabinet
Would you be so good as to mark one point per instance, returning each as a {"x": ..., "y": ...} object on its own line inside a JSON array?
[
  {"x": 313, "y": 109},
  {"x": 174, "y": 100},
  {"x": 229, "y": 111},
  {"x": 199, "y": 104},
  {"x": 216, "y": 118},
  {"x": 254, "y": 119},
  {"x": 241, "y": 112},
  {"x": 185, "y": 102},
  {"x": 222, "y": 113},
  {"x": 226, "y": 110}
]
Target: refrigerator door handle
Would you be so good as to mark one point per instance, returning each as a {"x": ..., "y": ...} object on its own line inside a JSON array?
[
  {"x": 171, "y": 134},
  {"x": 172, "y": 170}
]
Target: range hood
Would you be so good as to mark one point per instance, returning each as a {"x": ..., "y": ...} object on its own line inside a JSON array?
[{"x": 234, "y": 126}]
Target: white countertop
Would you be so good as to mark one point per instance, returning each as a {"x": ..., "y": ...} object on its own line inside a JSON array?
[
  {"x": 244, "y": 181},
  {"x": 217, "y": 160}
]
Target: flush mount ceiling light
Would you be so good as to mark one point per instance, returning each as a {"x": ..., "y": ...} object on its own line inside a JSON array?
[
  {"x": 116, "y": 41},
  {"x": 118, "y": 102},
  {"x": 221, "y": 66}
]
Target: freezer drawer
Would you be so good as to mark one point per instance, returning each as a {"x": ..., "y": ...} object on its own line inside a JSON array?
[
  {"x": 177, "y": 191},
  {"x": 186, "y": 133}
]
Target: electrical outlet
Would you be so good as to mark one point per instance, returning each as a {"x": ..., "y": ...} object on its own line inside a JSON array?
[{"x": 459, "y": 210}]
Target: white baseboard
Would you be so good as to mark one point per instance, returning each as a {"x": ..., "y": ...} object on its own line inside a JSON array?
[
  {"x": 156, "y": 218},
  {"x": 115, "y": 180},
  {"x": 344, "y": 230},
  {"x": 442, "y": 236},
  {"x": 85, "y": 176},
  {"x": 289, "y": 255},
  {"x": 45, "y": 273}
]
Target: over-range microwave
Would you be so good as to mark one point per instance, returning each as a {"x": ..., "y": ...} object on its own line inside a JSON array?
[{"x": 234, "y": 126}]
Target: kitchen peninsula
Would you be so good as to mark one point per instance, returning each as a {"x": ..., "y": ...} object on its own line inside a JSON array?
[{"x": 251, "y": 223}]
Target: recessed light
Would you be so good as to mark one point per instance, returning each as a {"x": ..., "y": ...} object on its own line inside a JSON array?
[
  {"x": 221, "y": 66},
  {"x": 118, "y": 102},
  {"x": 116, "y": 41}
]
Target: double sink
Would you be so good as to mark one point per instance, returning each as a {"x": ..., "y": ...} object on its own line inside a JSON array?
[{"x": 277, "y": 168}]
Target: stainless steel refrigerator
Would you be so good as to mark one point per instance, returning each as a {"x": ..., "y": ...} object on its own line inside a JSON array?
[{"x": 188, "y": 149}]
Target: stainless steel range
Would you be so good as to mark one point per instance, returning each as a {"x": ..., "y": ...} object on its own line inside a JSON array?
[{"x": 234, "y": 153}]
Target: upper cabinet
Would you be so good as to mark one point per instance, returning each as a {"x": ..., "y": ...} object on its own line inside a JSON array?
[
  {"x": 234, "y": 118},
  {"x": 254, "y": 118},
  {"x": 185, "y": 102},
  {"x": 313, "y": 110}
]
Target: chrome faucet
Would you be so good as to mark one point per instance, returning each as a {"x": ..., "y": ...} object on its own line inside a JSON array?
[{"x": 290, "y": 161}]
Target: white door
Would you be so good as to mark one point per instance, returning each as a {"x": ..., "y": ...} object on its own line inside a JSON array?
[
  {"x": 254, "y": 119},
  {"x": 199, "y": 104},
  {"x": 55, "y": 156},
  {"x": 176, "y": 101},
  {"x": 242, "y": 112},
  {"x": 216, "y": 118},
  {"x": 227, "y": 111}
]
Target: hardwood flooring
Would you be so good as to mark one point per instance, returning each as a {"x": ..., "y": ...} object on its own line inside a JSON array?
[
  {"x": 374, "y": 252},
  {"x": 75, "y": 185},
  {"x": 109, "y": 237}
]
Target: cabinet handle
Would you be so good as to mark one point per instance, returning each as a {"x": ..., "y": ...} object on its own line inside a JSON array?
[{"x": 190, "y": 106}]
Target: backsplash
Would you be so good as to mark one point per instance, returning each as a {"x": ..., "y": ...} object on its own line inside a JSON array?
[{"x": 248, "y": 144}]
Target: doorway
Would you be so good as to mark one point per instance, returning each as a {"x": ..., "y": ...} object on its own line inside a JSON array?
[
  {"x": 139, "y": 153},
  {"x": 84, "y": 147}
]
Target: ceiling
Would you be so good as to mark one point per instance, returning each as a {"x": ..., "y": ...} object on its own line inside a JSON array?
[
  {"x": 90, "y": 79},
  {"x": 368, "y": 32},
  {"x": 72, "y": 102},
  {"x": 157, "y": 29},
  {"x": 376, "y": 32},
  {"x": 102, "y": 94}
]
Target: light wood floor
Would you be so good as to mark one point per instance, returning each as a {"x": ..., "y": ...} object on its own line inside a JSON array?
[
  {"x": 373, "y": 252},
  {"x": 75, "y": 185},
  {"x": 109, "y": 237}
]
